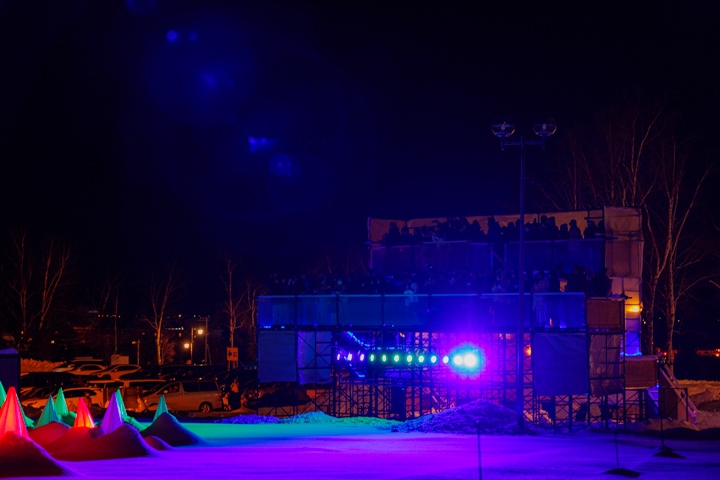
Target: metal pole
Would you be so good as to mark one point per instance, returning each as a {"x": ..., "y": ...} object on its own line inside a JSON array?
[
  {"x": 520, "y": 384},
  {"x": 192, "y": 340},
  {"x": 207, "y": 332}
]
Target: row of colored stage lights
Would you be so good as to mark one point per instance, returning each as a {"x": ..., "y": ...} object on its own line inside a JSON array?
[{"x": 464, "y": 358}]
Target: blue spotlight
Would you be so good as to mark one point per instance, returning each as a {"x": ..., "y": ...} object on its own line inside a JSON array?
[{"x": 468, "y": 359}]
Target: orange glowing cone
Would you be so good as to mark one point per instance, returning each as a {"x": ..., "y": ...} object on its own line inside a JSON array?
[
  {"x": 83, "y": 417},
  {"x": 12, "y": 418}
]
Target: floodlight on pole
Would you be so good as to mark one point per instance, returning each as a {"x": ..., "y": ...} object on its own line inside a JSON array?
[{"x": 504, "y": 131}]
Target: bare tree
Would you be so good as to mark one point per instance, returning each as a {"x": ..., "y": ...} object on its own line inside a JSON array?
[
  {"x": 635, "y": 159},
  {"x": 106, "y": 300},
  {"x": 233, "y": 303},
  {"x": 34, "y": 287},
  {"x": 162, "y": 294},
  {"x": 241, "y": 304},
  {"x": 676, "y": 251}
]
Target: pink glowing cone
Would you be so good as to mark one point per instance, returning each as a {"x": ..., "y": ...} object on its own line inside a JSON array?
[
  {"x": 12, "y": 418},
  {"x": 113, "y": 418},
  {"x": 83, "y": 418}
]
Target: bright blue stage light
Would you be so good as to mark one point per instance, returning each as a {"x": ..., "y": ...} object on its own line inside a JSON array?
[
  {"x": 467, "y": 359},
  {"x": 433, "y": 358}
]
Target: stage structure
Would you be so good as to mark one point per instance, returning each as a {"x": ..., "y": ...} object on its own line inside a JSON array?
[{"x": 405, "y": 355}]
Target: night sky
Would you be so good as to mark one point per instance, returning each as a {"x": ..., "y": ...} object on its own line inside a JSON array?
[{"x": 157, "y": 133}]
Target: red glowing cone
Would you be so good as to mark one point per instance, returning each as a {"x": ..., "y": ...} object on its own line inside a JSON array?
[
  {"x": 83, "y": 417},
  {"x": 12, "y": 418}
]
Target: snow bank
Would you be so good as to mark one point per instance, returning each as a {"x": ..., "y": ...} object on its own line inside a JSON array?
[
  {"x": 702, "y": 391},
  {"x": 479, "y": 416},
  {"x": 309, "y": 418},
  {"x": 157, "y": 443},
  {"x": 48, "y": 433},
  {"x": 28, "y": 365},
  {"x": 82, "y": 443},
  {"x": 249, "y": 419},
  {"x": 21, "y": 457},
  {"x": 168, "y": 429}
]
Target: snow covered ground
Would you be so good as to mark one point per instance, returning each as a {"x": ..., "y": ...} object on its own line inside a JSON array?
[
  {"x": 360, "y": 451},
  {"x": 316, "y": 446}
]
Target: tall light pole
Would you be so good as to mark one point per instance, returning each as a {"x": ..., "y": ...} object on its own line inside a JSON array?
[{"x": 504, "y": 131}]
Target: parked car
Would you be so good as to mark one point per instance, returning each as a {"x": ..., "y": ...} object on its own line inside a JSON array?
[
  {"x": 87, "y": 369},
  {"x": 186, "y": 395},
  {"x": 49, "y": 379},
  {"x": 72, "y": 397},
  {"x": 117, "y": 371},
  {"x": 72, "y": 365}
]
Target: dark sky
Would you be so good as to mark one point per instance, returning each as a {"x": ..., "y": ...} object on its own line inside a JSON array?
[{"x": 151, "y": 133}]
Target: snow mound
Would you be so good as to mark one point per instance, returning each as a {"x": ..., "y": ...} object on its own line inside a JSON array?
[
  {"x": 249, "y": 419},
  {"x": 28, "y": 365},
  {"x": 321, "y": 417},
  {"x": 311, "y": 417},
  {"x": 48, "y": 433},
  {"x": 157, "y": 443},
  {"x": 21, "y": 457},
  {"x": 168, "y": 429},
  {"x": 479, "y": 416},
  {"x": 82, "y": 443}
]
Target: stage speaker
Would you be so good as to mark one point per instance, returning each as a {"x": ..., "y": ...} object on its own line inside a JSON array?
[
  {"x": 560, "y": 364},
  {"x": 640, "y": 372},
  {"x": 277, "y": 356},
  {"x": 605, "y": 314}
]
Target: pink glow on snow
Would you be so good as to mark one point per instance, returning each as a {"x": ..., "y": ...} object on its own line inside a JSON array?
[{"x": 12, "y": 418}]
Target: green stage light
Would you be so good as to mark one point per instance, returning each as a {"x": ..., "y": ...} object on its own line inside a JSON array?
[
  {"x": 372, "y": 357},
  {"x": 383, "y": 358},
  {"x": 433, "y": 359},
  {"x": 421, "y": 358},
  {"x": 409, "y": 358},
  {"x": 396, "y": 358}
]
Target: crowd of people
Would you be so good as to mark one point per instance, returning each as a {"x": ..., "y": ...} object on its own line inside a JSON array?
[
  {"x": 433, "y": 281},
  {"x": 458, "y": 228}
]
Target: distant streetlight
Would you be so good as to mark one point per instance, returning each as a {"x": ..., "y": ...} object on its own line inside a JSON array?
[
  {"x": 189, "y": 345},
  {"x": 504, "y": 131},
  {"x": 137, "y": 342}
]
